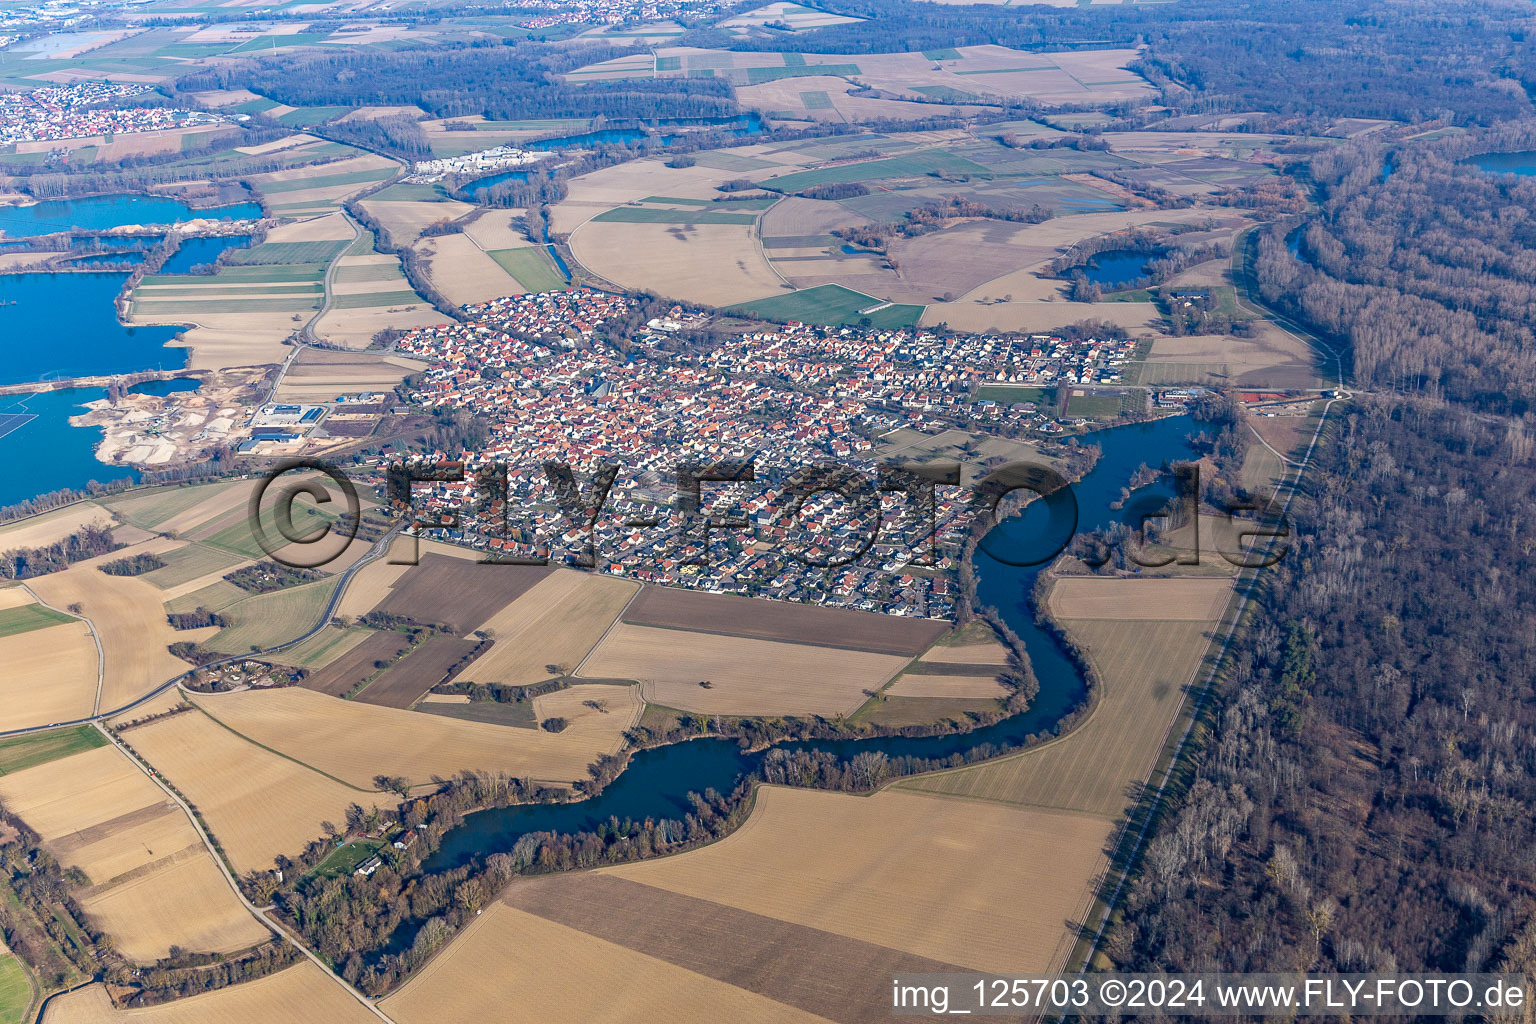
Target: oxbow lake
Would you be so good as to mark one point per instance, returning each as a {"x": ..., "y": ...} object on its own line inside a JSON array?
[{"x": 657, "y": 782}]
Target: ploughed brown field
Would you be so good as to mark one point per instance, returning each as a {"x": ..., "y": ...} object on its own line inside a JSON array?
[
  {"x": 670, "y": 608},
  {"x": 458, "y": 593},
  {"x": 347, "y": 672},
  {"x": 402, "y": 683}
]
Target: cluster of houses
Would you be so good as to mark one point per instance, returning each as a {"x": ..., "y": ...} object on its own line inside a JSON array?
[
  {"x": 609, "y": 12},
  {"x": 54, "y": 113},
  {"x": 785, "y": 397},
  {"x": 425, "y": 172}
]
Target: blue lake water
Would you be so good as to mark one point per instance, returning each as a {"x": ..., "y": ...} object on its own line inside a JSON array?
[
  {"x": 739, "y": 127},
  {"x": 65, "y": 325},
  {"x": 195, "y": 251},
  {"x": 103, "y": 259},
  {"x": 47, "y": 454},
  {"x": 97, "y": 213},
  {"x": 1523, "y": 164},
  {"x": 1116, "y": 268},
  {"x": 657, "y": 781}
]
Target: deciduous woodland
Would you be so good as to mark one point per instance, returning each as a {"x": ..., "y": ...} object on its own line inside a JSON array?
[{"x": 1365, "y": 801}]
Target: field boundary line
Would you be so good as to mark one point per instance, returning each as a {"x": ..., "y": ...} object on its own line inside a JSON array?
[
  {"x": 257, "y": 743},
  {"x": 617, "y": 621},
  {"x": 280, "y": 933},
  {"x": 101, "y": 655}
]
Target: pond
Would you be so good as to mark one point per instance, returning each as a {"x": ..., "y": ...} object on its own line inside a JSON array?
[
  {"x": 196, "y": 251},
  {"x": 1115, "y": 268},
  {"x": 1522, "y": 164},
  {"x": 657, "y": 782}
]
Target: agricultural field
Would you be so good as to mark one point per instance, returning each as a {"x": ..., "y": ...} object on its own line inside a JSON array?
[
  {"x": 965, "y": 74},
  {"x": 50, "y": 673},
  {"x": 324, "y": 648},
  {"x": 831, "y": 864},
  {"x": 256, "y": 803},
  {"x": 965, "y": 681},
  {"x": 191, "y": 562},
  {"x": 319, "y": 375},
  {"x": 17, "y": 990},
  {"x": 354, "y": 742},
  {"x": 279, "y": 285},
  {"x": 312, "y": 191},
  {"x": 556, "y": 623},
  {"x": 403, "y": 683},
  {"x": 267, "y": 620},
  {"x": 128, "y": 620},
  {"x": 1145, "y": 665},
  {"x": 743, "y": 676},
  {"x": 532, "y": 268},
  {"x": 369, "y": 294},
  {"x": 696, "y": 611},
  {"x": 832, "y": 304},
  {"x": 22, "y": 752},
  {"x": 179, "y": 901},
  {"x": 362, "y": 662},
  {"x": 555, "y": 972},
  {"x": 25, "y": 618},
  {"x": 177, "y": 509},
  {"x": 463, "y": 272},
  {"x": 300, "y": 994},
  {"x": 42, "y": 530},
  {"x": 154, "y": 885},
  {"x": 458, "y": 593}
]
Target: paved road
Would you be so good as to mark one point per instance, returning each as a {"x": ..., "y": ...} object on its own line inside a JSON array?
[{"x": 377, "y": 551}]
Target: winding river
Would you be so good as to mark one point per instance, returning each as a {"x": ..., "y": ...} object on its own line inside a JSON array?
[{"x": 657, "y": 781}]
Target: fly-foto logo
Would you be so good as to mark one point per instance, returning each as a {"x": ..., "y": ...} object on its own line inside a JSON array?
[{"x": 896, "y": 506}]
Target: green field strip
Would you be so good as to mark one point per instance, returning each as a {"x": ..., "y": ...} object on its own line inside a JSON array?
[
  {"x": 172, "y": 308},
  {"x": 305, "y": 117},
  {"x": 16, "y": 990},
  {"x": 830, "y": 304},
  {"x": 531, "y": 267},
  {"x": 669, "y": 63},
  {"x": 29, "y": 617},
  {"x": 367, "y": 274},
  {"x": 759, "y": 76},
  {"x": 189, "y": 563},
  {"x": 800, "y": 241},
  {"x": 221, "y": 290},
  {"x": 816, "y": 100},
  {"x": 22, "y": 752},
  {"x": 675, "y": 201},
  {"x": 911, "y": 165},
  {"x": 367, "y": 300},
  {"x": 409, "y": 194},
  {"x": 269, "y": 42},
  {"x": 323, "y": 181},
  {"x": 267, "y": 620},
  {"x": 269, "y": 253}
]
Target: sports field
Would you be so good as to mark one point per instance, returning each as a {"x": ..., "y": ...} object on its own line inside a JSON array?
[{"x": 556, "y": 623}]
